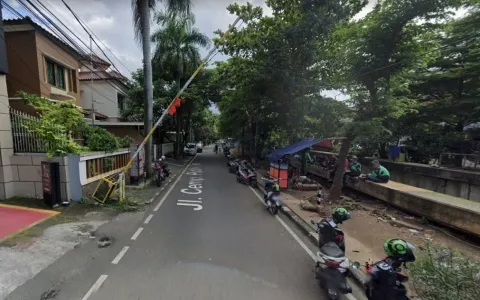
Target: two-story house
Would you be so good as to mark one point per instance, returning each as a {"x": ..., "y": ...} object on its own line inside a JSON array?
[
  {"x": 106, "y": 88},
  {"x": 39, "y": 63}
]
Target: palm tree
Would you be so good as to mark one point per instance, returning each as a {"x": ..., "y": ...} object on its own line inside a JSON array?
[
  {"x": 141, "y": 23},
  {"x": 177, "y": 53}
]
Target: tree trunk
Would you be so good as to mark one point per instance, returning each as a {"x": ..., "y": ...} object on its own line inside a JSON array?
[
  {"x": 336, "y": 189},
  {"x": 243, "y": 141},
  {"x": 148, "y": 84}
]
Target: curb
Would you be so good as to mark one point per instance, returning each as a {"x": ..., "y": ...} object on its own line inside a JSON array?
[{"x": 357, "y": 275}]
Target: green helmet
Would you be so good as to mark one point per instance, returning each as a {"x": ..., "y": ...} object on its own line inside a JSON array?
[
  {"x": 396, "y": 247},
  {"x": 276, "y": 187},
  {"x": 340, "y": 214}
]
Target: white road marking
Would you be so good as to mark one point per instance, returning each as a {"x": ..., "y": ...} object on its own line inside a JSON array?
[
  {"x": 95, "y": 286},
  {"x": 295, "y": 236},
  {"x": 157, "y": 194},
  {"x": 120, "y": 255},
  {"x": 190, "y": 201},
  {"x": 150, "y": 216},
  {"x": 172, "y": 186},
  {"x": 137, "y": 233}
]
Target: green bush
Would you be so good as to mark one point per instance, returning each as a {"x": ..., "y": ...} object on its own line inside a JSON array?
[
  {"x": 99, "y": 139},
  {"x": 440, "y": 274},
  {"x": 124, "y": 142}
]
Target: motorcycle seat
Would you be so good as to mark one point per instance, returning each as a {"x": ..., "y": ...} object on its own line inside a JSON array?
[{"x": 332, "y": 250}]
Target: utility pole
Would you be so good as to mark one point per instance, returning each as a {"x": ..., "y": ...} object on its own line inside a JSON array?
[{"x": 91, "y": 81}]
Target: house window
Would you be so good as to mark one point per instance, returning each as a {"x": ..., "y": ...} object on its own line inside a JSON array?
[
  {"x": 56, "y": 74},
  {"x": 51, "y": 73},
  {"x": 60, "y": 77},
  {"x": 121, "y": 102}
]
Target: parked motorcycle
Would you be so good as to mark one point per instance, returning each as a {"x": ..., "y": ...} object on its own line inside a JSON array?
[
  {"x": 233, "y": 165},
  {"x": 332, "y": 265},
  {"x": 164, "y": 165},
  {"x": 271, "y": 195},
  {"x": 159, "y": 174},
  {"x": 247, "y": 176}
]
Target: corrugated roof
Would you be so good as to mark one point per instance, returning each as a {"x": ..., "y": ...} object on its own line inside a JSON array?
[
  {"x": 101, "y": 75},
  {"x": 96, "y": 59},
  {"x": 28, "y": 21}
]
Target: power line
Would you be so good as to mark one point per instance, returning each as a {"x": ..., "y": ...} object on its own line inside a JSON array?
[
  {"x": 35, "y": 73},
  {"x": 59, "y": 37},
  {"x": 81, "y": 24},
  {"x": 93, "y": 33}
]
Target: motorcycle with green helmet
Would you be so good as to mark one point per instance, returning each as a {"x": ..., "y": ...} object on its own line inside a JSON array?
[
  {"x": 271, "y": 194},
  {"x": 332, "y": 266},
  {"x": 385, "y": 276}
]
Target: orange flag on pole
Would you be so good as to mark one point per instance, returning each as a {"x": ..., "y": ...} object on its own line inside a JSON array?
[{"x": 173, "y": 107}]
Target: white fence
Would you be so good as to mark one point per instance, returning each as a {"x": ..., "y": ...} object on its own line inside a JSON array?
[{"x": 94, "y": 165}]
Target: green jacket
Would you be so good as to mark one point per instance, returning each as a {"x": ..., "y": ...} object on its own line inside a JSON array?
[
  {"x": 356, "y": 167},
  {"x": 380, "y": 171}
]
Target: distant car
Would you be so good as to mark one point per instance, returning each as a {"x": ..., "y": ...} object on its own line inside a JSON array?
[
  {"x": 190, "y": 149},
  {"x": 199, "y": 147}
]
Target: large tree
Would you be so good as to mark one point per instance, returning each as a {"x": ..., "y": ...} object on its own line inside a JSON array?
[
  {"x": 370, "y": 58},
  {"x": 270, "y": 83},
  {"x": 141, "y": 21},
  {"x": 177, "y": 54}
]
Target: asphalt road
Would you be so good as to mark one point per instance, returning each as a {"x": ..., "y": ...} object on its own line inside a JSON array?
[{"x": 204, "y": 237}]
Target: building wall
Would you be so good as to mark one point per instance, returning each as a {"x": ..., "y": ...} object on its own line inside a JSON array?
[
  {"x": 121, "y": 131},
  {"x": 22, "y": 61},
  {"x": 6, "y": 145},
  {"x": 104, "y": 95},
  {"x": 46, "y": 48},
  {"x": 27, "y": 176}
]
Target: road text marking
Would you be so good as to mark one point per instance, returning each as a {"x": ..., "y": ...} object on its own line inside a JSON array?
[
  {"x": 120, "y": 255},
  {"x": 95, "y": 286},
  {"x": 171, "y": 187}
]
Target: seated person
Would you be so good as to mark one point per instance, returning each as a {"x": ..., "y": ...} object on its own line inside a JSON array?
[
  {"x": 354, "y": 167},
  {"x": 379, "y": 173}
]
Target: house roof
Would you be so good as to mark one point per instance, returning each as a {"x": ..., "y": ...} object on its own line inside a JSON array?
[
  {"x": 96, "y": 59},
  {"x": 28, "y": 21},
  {"x": 101, "y": 75}
]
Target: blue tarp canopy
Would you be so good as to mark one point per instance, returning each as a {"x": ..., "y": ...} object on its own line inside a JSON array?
[{"x": 294, "y": 148}]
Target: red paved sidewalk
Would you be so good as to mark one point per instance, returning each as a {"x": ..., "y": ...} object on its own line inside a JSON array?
[{"x": 14, "y": 219}]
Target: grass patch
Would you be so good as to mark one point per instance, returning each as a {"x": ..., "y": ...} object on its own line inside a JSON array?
[{"x": 442, "y": 274}]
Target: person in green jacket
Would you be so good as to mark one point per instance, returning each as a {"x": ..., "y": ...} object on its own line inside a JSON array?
[
  {"x": 379, "y": 173},
  {"x": 354, "y": 167}
]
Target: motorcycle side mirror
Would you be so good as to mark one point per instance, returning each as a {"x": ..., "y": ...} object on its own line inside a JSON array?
[{"x": 356, "y": 265}]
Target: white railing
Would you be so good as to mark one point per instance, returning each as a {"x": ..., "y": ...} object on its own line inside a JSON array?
[
  {"x": 24, "y": 140},
  {"x": 95, "y": 165}
]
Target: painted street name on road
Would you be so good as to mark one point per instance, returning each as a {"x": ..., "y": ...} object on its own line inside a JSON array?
[{"x": 195, "y": 186}]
